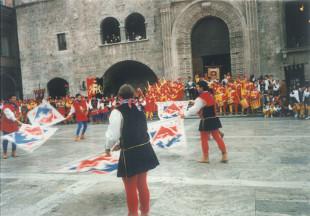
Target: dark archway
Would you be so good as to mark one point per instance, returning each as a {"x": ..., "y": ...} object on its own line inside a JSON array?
[
  {"x": 7, "y": 86},
  {"x": 110, "y": 30},
  {"x": 131, "y": 72},
  {"x": 135, "y": 26},
  {"x": 56, "y": 87},
  {"x": 297, "y": 23},
  {"x": 210, "y": 46}
]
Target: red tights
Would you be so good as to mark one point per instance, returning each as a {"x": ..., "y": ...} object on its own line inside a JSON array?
[
  {"x": 204, "y": 135},
  {"x": 131, "y": 185}
]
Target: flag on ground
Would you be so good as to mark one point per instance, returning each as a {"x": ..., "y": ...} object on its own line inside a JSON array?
[{"x": 99, "y": 164}]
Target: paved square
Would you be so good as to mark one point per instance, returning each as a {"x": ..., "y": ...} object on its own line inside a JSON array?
[{"x": 268, "y": 174}]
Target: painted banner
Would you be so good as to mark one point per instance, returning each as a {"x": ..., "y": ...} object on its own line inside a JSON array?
[
  {"x": 99, "y": 164},
  {"x": 44, "y": 115},
  {"x": 93, "y": 87},
  {"x": 30, "y": 137},
  {"x": 171, "y": 109},
  {"x": 167, "y": 133}
]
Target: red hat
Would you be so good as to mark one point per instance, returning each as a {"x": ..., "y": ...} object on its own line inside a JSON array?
[
  {"x": 179, "y": 78},
  {"x": 243, "y": 76},
  {"x": 247, "y": 80},
  {"x": 237, "y": 76}
]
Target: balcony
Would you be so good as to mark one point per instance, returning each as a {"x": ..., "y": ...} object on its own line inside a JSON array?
[{"x": 295, "y": 50}]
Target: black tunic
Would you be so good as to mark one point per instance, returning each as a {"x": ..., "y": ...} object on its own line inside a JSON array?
[
  {"x": 209, "y": 120},
  {"x": 137, "y": 154}
]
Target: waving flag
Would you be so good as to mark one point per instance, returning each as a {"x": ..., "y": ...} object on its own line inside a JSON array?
[
  {"x": 32, "y": 130},
  {"x": 45, "y": 115},
  {"x": 29, "y": 138},
  {"x": 167, "y": 133},
  {"x": 171, "y": 109},
  {"x": 99, "y": 164}
]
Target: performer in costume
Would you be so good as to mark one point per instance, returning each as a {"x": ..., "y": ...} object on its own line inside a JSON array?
[
  {"x": 95, "y": 110},
  {"x": 137, "y": 157},
  {"x": 9, "y": 123},
  {"x": 80, "y": 108},
  {"x": 61, "y": 108},
  {"x": 206, "y": 106}
]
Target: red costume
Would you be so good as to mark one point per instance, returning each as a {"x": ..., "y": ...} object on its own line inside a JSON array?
[
  {"x": 80, "y": 111},
  {"x": 8, "y": 125}
]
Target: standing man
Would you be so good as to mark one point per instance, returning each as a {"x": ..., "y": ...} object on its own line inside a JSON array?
[
  {"x": 206, "y": 107},
  {"x": 190, "y": 88},
  {"x": 9, "y": 123},
  {"x": 80, "y": 108},
  {"x": 137, "y": 157}
]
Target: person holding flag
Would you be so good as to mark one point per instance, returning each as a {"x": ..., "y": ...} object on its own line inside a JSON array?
[
  {"x": 9, "y": 123},
  {"x": 206, "y": 107},
  {"x": 137, "y": 157},
  {"x": 80, "y": 108}
]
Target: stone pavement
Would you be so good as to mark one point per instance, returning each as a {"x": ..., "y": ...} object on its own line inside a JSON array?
[{"x": 268, "y": 175}]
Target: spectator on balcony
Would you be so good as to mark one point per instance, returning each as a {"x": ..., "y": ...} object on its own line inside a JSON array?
[{"x": 133, "y": 36}]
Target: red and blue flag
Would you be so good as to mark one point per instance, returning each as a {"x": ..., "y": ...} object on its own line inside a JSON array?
[
  {"x": 29, "y": 137},
  {"x": 167, "y": 133},
  {"x": 45, "y": 115},
  {"x": 99, "y": 164},
  {"x": 171, "y": 109}
]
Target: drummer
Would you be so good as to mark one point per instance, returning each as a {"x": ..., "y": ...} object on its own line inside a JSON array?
[{"x": 255, "y": 99}]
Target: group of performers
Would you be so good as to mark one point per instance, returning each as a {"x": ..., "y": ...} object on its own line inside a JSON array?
[{"x": 230, "y": 94}]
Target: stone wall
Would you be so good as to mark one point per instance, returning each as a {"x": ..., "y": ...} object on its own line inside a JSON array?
[
  {"x": 256, "y": 32},
  {"x": 39, "y": 24}
]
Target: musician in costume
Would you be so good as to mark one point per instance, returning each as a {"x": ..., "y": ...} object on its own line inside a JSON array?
[
  {"x": 24, "y": 111},
  {"x": 104, "y": 109},
  {"x": 9, "y": 123},
  {"x": 233, "y": 100},
  {"x": 80, "y": 108},
  {"x": 95, "y": 110},
  {"x": 206, "y": 107},
  {"x": 137, "y": 157},
  {"x": 61, "y": 108},
  {"x": 255, "y": 99}
]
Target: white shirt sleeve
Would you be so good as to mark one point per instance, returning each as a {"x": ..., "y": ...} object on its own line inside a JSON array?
[
  {"x": 276, "y": 87},
  {"x": 113, "y": 133},
  {"x": 72, "y": 110},
  {"x": 9, "y": 114},
  {"x": 143, "y": 103},
  {"x": 89, "y": 106},
  {"x": 199, "y": 104}
]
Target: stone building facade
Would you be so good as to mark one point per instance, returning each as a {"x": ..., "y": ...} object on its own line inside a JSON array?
[
  {"x": 256, "y": 38},
  {"x": 10, "y": 71}
]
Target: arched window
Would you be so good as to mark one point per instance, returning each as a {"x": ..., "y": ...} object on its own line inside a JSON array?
[
  {"x": 297, "y": 23},
  {"x": 110, "y": 30},
  {"x": 135, "y": 27}
]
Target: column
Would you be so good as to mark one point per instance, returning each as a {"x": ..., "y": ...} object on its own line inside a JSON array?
[
  {"x": 166, "y": 37},
  {"x": 252, "y": 23},
  {"x": 123, "y": 33}
]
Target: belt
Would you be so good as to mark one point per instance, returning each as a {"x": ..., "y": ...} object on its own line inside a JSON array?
[{"x": 139, "y": 145}]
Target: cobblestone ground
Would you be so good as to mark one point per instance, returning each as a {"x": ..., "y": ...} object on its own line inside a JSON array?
[{"x": 268, "y": 174}]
